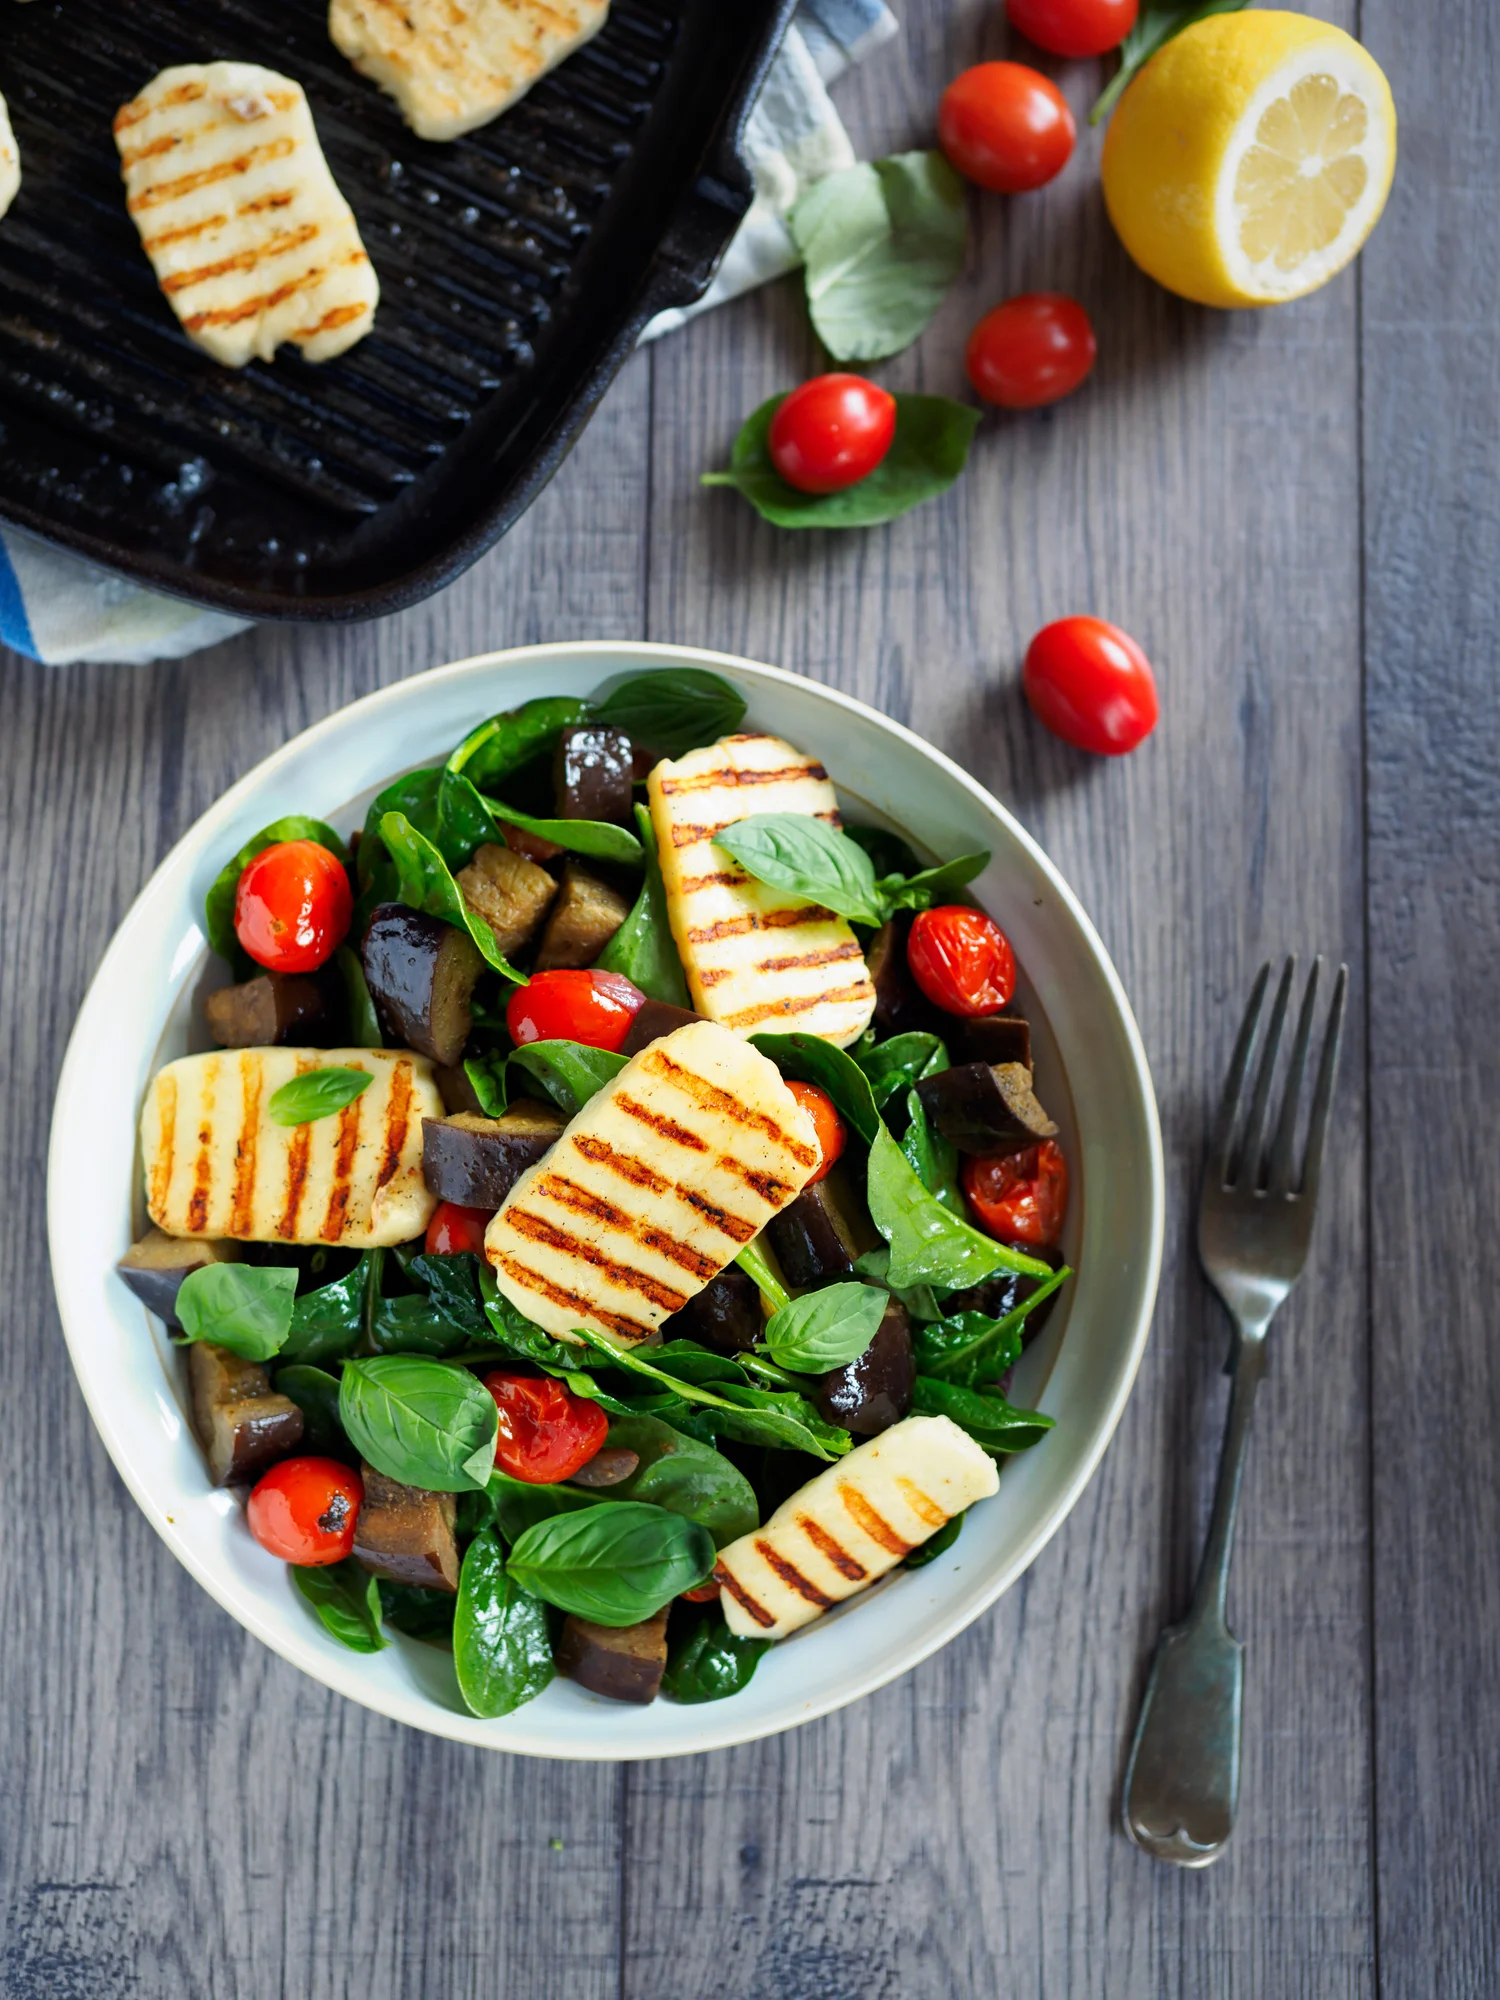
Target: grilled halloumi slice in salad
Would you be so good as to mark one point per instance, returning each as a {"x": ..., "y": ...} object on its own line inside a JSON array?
[
  {"x": 455, "y": 64},
  {"x": 850, "y": 1525},
  {"x": 246, "y": 229},
  {"x": 10, "y": 161},
  {"x": 757, "y": 960},
  {"x": 217, "y": 1164},
  {"x": 658, "y": 1183}
]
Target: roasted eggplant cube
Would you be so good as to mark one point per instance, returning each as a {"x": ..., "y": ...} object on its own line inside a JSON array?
[
  {"x": 584, "y": 918},
  {"x": 476, "y": 1161},
  {"x": 655, "y": 1019},
  {"x": 870, "y": 1394},
  {"x": 819, "y": 1236},
  {"x": 510, "y": 891},
  {"x": 622, "y": 1662},
  {"x": 242, "y": 1424},
  {"x": 421, "y": 974},
  {"x": 901, "y": 1007},
  {"x": 725, "y": 1315},
  {"x": 593, "y": 774},
  {"x": 985, "y": 1107},
  {"x": 994, "y": 1038},
  {"x": 155, "y": 1267},
  {"x": 407, "y": 1534},
  {"x": 265, "y": 1012}
]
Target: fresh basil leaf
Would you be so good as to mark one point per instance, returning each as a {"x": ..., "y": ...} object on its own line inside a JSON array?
[
  {"x": 710, "y": 1662},
  {"x": 881, "y": 243},
  {"x": 330, "y": 1323},
  {"x": 939, "y": 1544},
  {"x": 809, "y": 1059},
  {"x": 422, "y": 1422},
  {"x": 928, "y": 885},
  {"x": 895, "y": 1065},
  {"x": 752, "y": 1261},
  {"x": 501, "y": 1648},
  {"x": 424, "y": 882},
  {"x": 673, "y": 709},
  {"x": 499, "y": 747},
  {"x": 934, "y": 1159},
  {"x": 685, "y": 1477},
  {"x": 316, "y": 1394},
  {"x": 825, "y": 1329},
  {"x": 347, "y": 1601},
  {"x": 420, "y": 1614},
  {"x": 362, "y": 1021},
  {"x": 615, "y": 1565},
  {"x": 973, "y": 1349},
  {"x": 927, "y": 454},
  {"x": 989, "y": 1420},
  {"x": 805, "y": 857},
  {"x": 317, "y": 1093},
  {"x": 1154, "y": 28},
  {"x": 929, "y": 1245},
  {"x": 642, "y": 948},
  {"x": 597, "y": 838},
  {"x": 569, "y": 1072},
  {"x": 245, "y": 1308},
  {"x": 452, "y": 1283},
  {"x": 486, "y": 1076},
  {"x": 218, "y": 908}
]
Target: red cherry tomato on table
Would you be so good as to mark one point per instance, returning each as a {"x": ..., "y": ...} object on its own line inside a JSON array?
[
  {"x": 832, "y": 1138},
  {"x": 1031, "y": 350},
  {"x": 831, "y": 433},
  {"x": 962, "y": 960},
  {"x": 1091, "y": 684},
  {"x": 1021, "y": 1197},
  {"x": 292, "y": 906},
  {"x": 304, "y": 1510},
  {"x": 1005, "y": 126},
  {"x": 1073, "y": 27},
  {"x": 454, "y": 1229},
  {"x": 574, "y": 1006},
  {"x": 546, "y": 1433}
]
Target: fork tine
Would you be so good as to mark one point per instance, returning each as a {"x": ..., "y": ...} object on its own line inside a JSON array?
[
  {"x": 1279, "y": 1179},
  {"x": 1248, "y": 1166},
  {"x": 1328, "y": 1066},
  {"x": 1234, "y": 1082}
]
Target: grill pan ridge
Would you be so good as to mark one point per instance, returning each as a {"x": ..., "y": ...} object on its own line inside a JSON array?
[{"x": 517, "y": 267}]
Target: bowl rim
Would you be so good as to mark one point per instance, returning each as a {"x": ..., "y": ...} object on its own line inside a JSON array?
[{"x": 715, "y": 1728}]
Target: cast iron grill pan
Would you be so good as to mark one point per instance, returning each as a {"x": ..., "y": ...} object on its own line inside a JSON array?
[{"x": 517, "y": 266}]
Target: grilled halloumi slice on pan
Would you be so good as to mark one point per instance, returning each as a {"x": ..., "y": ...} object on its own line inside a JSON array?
[
  {"x": 216, "y": 1164},
  {"x": 10, "y": 161},
  {"x": 455, "y": 64},
  {"x": 850, "y": 1525},
  {"x": 757, "y": 960},
  {"x": 658, "y": 1183},
  {"x": 244, "y": 224}
]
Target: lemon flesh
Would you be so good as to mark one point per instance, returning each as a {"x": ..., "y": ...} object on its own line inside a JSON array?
[{"x": 1251, "y": 158}]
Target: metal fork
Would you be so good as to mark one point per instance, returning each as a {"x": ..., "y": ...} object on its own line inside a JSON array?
[{"x": 1254, "y": 1225}]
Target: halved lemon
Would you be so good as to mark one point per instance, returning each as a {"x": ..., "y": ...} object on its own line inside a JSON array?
[{"x": 1250, "y": 158}]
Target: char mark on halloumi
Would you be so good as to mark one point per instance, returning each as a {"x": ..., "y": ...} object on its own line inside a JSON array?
[
  {"x": 657, "y": 1184},
  {"x": 757, "y": 960},
  {"x": 245, "y": 227}
]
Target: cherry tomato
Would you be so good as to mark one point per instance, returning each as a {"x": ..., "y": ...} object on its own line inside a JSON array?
[
  {"x": 454, "y": 1229},
  {"x": 1031, "y": 350},
  {"x": 832, "y": 1138},
  {"x": 304, "y": 1510},
  {"x": 1091, "y": 684},
  {"x": 1073, "y": 27},
  {"x": 962, "y": 960},
  {"x": 546, "y": 1432},
  {"x": 1005, "y": 126},
  {"x": 292, "y": 906},
  {"x": 831, "y": 433},
  {"x": 1021, "y": 1197},
  {"x": 574, "y": 1006}
]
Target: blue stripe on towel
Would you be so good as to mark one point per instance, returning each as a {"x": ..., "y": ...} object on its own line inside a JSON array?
[{"x": 15, "y": 626}]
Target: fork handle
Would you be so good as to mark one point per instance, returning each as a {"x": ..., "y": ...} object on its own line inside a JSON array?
[{"x": 1211, "y": 1591}]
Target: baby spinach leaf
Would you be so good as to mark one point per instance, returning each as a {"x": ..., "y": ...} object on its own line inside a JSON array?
[
  {"x": 419, "y": 1613},
  {"x": 410, "y": 1325},
  {"x": 615, "y": 1565},
  {"x": 486, "y": 1076},
  {"x": 495, "y": 749},
  {"x": 347, "y": 1600},
  {"x": 929, "y": 1245},
  {"x": 452, "y": 1283},
  {"x": 1154, "y": 28},
  {"x": 805, "y": 857},
  {"x": 897, "y": 1064},
  {"x": 989, "y": 1420},
  {"x": 810, "y": 1059},
  {"x": 927, "y": 454},
  {"x": 690, "y": 1361},
  {"x": 424, "y": 1423},
  {"x": 518, "y": 1504},
  {"x": 332, "y": 1321},
  {"x": 919, "y": 1300},
  {"x": 362, "y": 1021},
  {"x": 569, "y": 1072},
  {"x": 673, "y": 709},
  {"x": 934, "y": 1158},
  {"x": 940, "y": 1543},
  {"x": 501, "y": 1649},
  {"x": 710, "y": 1662},
  {"x": 246, "y": 1308},
  {"x": 888, "y": 852},
  {"x": 424, "y": 882},
  {"x": 218, "y": 909},
  {"x": 928, "y": 885},
  {"x": 596, "y": 838},
  {"x": 642, "y": 948},
  {"x": 825, "y": 1329},
  {"x": 881, "y": 242},
  {"x": 686, "y": 1477},
  {"x": 317, "y": 1093},
  {"x": 971, "y": 1348},
  {"x": 752, "y": 1261},
  {"x": 316, "y": 1394}
]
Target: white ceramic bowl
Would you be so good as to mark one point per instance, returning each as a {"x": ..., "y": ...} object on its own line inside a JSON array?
[{"x": 1092, "y": 1075}]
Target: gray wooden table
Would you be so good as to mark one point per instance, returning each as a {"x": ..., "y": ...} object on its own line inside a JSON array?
[{"x": 1298, "y": 513}]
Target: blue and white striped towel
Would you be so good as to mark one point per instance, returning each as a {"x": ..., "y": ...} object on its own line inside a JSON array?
[{"x": 60, "y": 610}]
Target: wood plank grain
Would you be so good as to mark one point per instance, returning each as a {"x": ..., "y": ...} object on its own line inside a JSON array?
[
  {"x": 1432, "y": 394},
  {"x": 957, "y": 1833}
]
